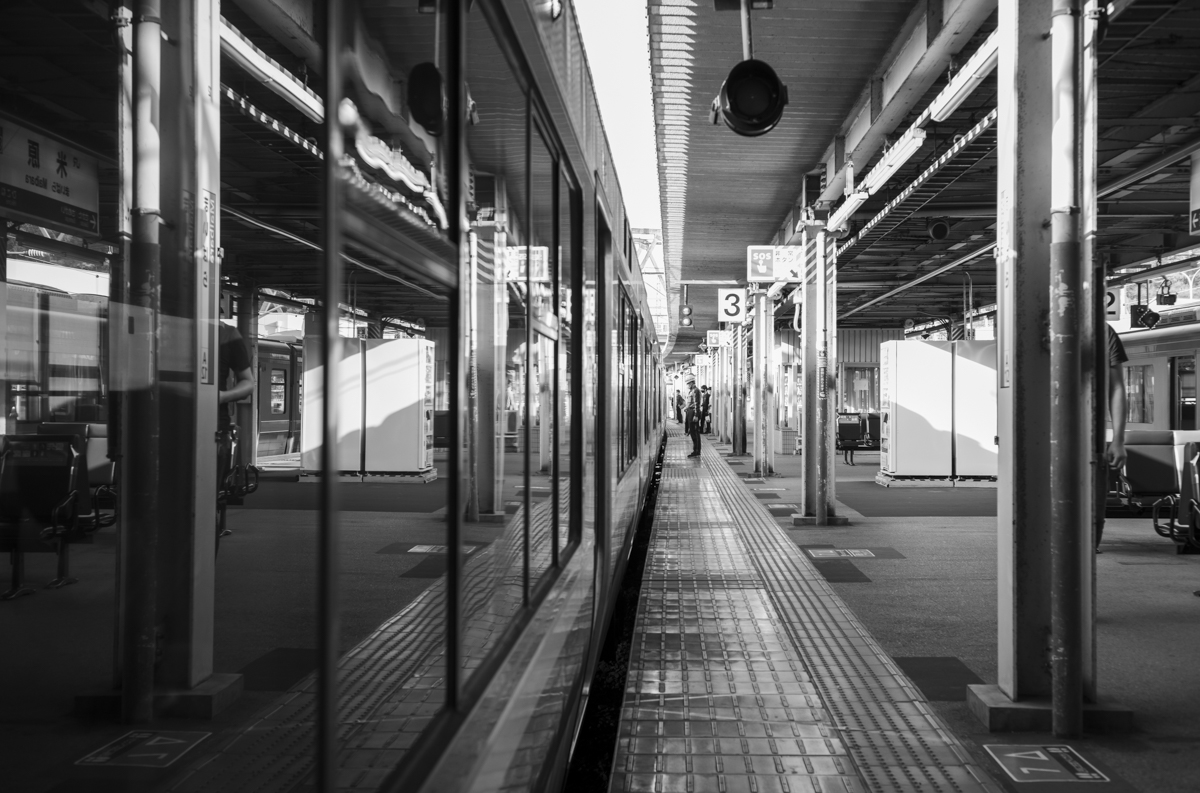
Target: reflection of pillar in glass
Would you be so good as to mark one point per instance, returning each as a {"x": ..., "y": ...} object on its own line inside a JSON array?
[{"x": 545, "y": 400}]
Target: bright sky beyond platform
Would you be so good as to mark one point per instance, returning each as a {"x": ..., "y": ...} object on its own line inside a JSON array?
[{"x": 617, "y": 39}]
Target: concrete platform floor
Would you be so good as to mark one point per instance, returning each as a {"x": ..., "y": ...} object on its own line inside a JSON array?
[{"x": 938, "y": 602}]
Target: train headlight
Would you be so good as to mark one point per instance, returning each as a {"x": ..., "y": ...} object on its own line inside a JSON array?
[{"x": 751, "y": 100}]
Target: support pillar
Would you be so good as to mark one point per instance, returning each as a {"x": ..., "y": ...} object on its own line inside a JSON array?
[
  {"x": 739, "y": 390},
  {"x": 1028, "y": 212},
  {"x": 817, "y": 361},
  {"x": 1024, "y": 128},
  {"x": 758, "y": 385},
  {"x": 491, "y": 348},
  {"x": 822, "y": 502}
]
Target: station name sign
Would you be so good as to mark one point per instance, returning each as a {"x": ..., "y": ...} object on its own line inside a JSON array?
[{"x": 47, "y": 182}]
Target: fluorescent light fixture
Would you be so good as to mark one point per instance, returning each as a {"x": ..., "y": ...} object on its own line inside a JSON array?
[
  {"x": 261, "y": 67},
  {"x": 843, "y": 214},
  {"x": 892, "y": 159},
  {"x": 967, "y": 79}
]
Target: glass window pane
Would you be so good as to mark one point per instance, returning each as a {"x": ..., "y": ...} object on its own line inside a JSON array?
[
  {"x": 542, "y": 242},
  {"x": 568, "y": 206},
  {"x": 494, "y": 580}
]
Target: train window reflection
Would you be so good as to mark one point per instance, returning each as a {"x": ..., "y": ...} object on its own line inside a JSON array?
[
  {"x": 1139, "y": 390},
  {"x": 494, "y": 579}
]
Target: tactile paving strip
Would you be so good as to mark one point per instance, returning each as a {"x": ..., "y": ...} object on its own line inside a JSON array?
[
  {"x": 895, "y": 739},
  {"x": 717, "y": 697}
]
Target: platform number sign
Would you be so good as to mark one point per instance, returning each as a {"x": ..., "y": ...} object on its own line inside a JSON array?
[
  {"x": 731, "y": 305},
  {"x": 1114, "y": 303}
]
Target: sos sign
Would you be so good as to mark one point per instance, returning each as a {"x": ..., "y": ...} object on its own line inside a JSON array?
[{"x": 731, "y": 305}]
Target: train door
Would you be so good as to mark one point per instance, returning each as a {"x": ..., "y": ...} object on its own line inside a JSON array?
[{"x": 1183, "y": 392}]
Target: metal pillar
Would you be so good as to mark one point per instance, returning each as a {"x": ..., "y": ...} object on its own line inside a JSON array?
[
  {"x": 808, "y": 424},
  {"x": 328, "y": 606},
  {"x": 118, "y": 299},
  {"x": 759, "y": 383},
  {"x": 1024, "y": 128},
  {"x": 1070, "y": 282},
  {"x": 739, "y": 390},
  {"x": 1094, "y": 343},
  {"x": 141, "y": 526},
  {"x": 822, "y": 502}
]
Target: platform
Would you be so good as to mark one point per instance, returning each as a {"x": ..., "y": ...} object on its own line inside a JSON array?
[{"x": 749, "y": 673}]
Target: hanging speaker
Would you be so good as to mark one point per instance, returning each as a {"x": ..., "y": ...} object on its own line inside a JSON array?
[
  {"x": 752, "y": 99},
  {"x": 427, "y": 98}
]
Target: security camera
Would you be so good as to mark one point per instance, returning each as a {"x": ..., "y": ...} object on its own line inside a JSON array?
[{"x": 938, "y": 229}]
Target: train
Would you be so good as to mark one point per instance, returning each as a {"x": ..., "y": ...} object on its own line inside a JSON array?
[
  {"x": 1160, "y": 376},
  {"x": 511, "y": 704}
]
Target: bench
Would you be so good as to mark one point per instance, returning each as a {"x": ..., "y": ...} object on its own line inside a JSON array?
[
  {"x": 849, "y": 436},
  {"x": 43, "y": 493},
  {"x": 1157, "y": 472}
]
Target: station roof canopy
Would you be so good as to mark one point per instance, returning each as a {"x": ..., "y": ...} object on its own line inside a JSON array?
[{"x": 859, "y": 75}]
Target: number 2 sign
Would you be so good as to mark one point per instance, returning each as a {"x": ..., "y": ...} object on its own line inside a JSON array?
[{"x": 731, "y": 305}]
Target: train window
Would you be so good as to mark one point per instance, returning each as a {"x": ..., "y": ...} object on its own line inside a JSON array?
[
  {"x": 497, "y": 154},
  {"x": 543, "y": 218},
  {"x": 860, "y": 389},
  {"x": 1183, "y": 392},
  {"x": 278, "y": 392},
  {"x": 1139, "y": 390},
  {"x": 627, "y": 356},
  {"x": 569, "y": 210}
]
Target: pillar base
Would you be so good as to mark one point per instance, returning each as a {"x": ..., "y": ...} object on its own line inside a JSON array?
[
  {"x": 1000, "y": 714},
  {"x": 832, "y": 520},
  {"x": 204, "y": 701}
]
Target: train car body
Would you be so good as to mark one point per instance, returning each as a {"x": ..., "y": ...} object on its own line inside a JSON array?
[
  {"x": 279, "y": 382},
  {"x": 1160, "y": 376}
]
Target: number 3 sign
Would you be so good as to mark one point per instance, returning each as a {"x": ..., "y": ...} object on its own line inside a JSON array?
[{"x": 731, "y": 305}]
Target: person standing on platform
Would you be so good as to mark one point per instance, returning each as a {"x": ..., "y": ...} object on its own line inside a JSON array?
[
  {"x": 233, "y": 362},
  {"x": 678, "y": 407},
  {"x": 692, "y": 416},
  {"x": 705, "y": 409},
  {"x": 1114, "y": 458}
]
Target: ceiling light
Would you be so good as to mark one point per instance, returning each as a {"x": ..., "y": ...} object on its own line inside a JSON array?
[
  {"x": 968, "y": 78},
  {"x": 841, "y": 217},
  {"x": 892, "y": 159}
]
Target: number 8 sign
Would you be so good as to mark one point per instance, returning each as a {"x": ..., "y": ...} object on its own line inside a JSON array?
[{"x": 731, "y": 305}]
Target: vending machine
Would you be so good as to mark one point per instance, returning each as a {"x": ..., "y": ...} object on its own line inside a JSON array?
[
  {"x": 384, "y": 407},
  {"x": 939, "y": 409},
  {"x": 975, "y": 428},
  {"x": 398, "y": 420},
  {"x": 916, "y": 390},
  {"x": 348, "y": 457}
]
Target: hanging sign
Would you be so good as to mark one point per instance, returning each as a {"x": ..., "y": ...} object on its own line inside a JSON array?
[
  {"x": 772, "y": 263},
  {"x": 48, "y": 183},
  {"x": 713, "y": 339},
  {"x": 731, "y": 305},
  {"x": 1114, "y": 303}
]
